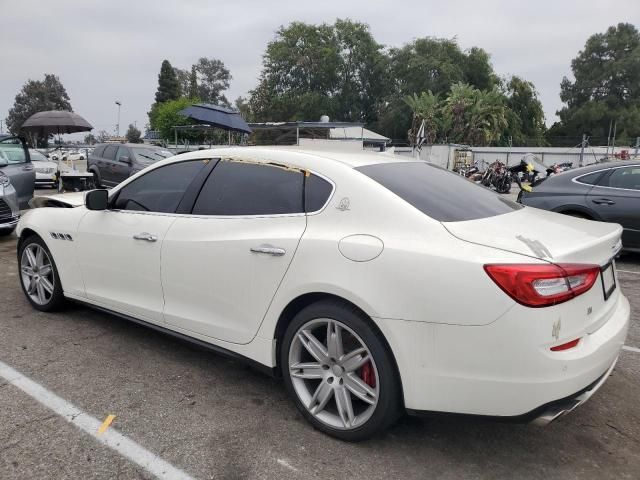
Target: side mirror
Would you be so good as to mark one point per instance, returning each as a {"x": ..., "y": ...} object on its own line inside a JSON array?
[
  {"x": 125, "y": 160},
  {"x": 96, "y": 199}
]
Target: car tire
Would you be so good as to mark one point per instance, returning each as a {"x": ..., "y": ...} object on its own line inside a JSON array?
[
  {"x": 96, "y": 179},
  {"x": 339, "y": 383},
  {"x": 42, "y": 296}
]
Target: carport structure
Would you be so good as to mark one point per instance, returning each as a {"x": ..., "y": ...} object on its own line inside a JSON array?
[{"x": 290, "y": 133}]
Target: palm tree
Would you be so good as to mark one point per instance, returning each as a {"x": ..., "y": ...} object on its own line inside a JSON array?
[{"x": 425, "y": 108}]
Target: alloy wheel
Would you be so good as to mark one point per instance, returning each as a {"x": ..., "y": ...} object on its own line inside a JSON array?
[
  {"x": 37, "y": 274},
  {"x": 334, "y": 374}
]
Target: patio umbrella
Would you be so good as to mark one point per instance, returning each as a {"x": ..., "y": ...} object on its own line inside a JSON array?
[
  {"x": 55, "y": 122},
  {"x": 216, "y": 116}
]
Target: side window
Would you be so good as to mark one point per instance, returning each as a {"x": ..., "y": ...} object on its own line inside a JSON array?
[
  {"x": 160, "y": 190},
  {"x": 591, "y": 178},
  {"x": 240, "y": 188},
  {"x": 626, "y": 177},
  {"x": 110, "y": 152},
  {"x": 316, "y": 193},
  {"x": 12, "y": 150},
  {"x": 122, "y": 152},
  {"x": 98, "y": 151}
]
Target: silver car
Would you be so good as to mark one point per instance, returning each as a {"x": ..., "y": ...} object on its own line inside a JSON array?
[{"x": 17, "y": 181}]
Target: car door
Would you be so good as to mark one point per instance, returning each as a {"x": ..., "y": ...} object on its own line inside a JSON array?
[
  {"x": 616, "y": 198},
  {"x": 107, "y": 171},
  {"x": 16, "y": 164},
  {"x": 222, "y": 265},
  {"x": 119, "y": 248},
  {"x": 122, "y": 165}
]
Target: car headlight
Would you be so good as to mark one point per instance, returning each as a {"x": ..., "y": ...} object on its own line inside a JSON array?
[{"x": 4, "y": 180}]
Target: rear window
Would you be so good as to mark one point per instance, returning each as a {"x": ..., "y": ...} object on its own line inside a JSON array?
[{"x": 438, "y": 193}]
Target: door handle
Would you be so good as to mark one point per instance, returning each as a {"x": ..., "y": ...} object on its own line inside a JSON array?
[
  {"x": 27, "y": 168},
  {"x": 603, "y": 201},
  {"x": 269, "y": 250},
  {"x": 145, "y": 236}
]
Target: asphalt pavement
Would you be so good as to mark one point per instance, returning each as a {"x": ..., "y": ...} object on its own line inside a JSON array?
[{"x": 206, "y": 416}]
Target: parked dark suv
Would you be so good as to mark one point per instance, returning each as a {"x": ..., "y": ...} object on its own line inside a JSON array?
[{"x": 111, "y": 163}]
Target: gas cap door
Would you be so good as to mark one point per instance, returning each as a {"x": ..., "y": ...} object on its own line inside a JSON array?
[{"x": 360, "y": 247}]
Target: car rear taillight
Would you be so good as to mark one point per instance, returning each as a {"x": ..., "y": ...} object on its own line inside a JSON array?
[{"x": 543, "y": 285}]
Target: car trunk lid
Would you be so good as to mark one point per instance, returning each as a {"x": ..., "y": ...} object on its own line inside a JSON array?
[{"x": 543, "y": 235}]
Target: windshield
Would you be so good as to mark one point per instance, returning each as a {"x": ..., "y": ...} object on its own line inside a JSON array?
[
  {"x": 37, "y": 156},
  {"x": 439, "y": 193},
  {"x": 12, "y": 152},
  {"x": 150, "y": 155}
]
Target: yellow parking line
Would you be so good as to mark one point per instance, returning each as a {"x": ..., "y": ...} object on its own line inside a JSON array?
[{"x": 105, "y": 424}]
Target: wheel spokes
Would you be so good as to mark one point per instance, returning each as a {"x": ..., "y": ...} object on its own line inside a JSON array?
[
  {"x": 344, "y": 406},
  {"x": 46, "y": 285},
  {"x": 45, "y": 270},
  {"x": 39, "y": 255},
  {"x": 40, "y": 290},
  {"x": 320, "y": 398},
  {"x": 355, "y": 359},
  {"x": 313, "y": 346},
  {"x": 325, "y": 362},
  {"x": 31, "y": 258},
  {"x": 360, "y": 389},
  {"x": 334, "y": 340},
  {"x": 307, "y": 370}
]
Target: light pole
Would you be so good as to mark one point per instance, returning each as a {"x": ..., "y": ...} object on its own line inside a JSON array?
[{"x": 118, "y": 124}]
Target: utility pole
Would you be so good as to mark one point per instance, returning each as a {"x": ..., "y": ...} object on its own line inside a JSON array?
[
  {"x": 583, "y": 144},
  {"x": 609, "y": 136},
  {"x": 637, "y": 145},
  {"x": 613, "y": 140},
  {"x": 118, "y": 124}
]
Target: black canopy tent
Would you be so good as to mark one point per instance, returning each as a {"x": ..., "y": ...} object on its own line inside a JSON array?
[
  {"x": 53, "y": 122},
  {"x": 210, "y": 116}
]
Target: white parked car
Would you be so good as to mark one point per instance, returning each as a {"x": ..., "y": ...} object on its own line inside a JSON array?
[
  {"x": 45, "y": 168},
  {"x": 373, "y": 284}
]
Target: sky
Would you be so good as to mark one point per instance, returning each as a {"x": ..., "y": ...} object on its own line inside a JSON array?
[{"x": 108, "y": 51}]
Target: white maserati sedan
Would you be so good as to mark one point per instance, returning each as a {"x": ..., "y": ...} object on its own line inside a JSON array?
[{"x": 372, "y": 284}]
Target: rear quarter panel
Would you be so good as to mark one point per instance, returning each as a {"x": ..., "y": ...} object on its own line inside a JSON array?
[{"x": 423, "y": 274}]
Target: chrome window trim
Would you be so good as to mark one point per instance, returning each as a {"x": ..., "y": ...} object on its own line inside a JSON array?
[
  {"x": 577, "y": 179},
  {"x": 191, "y": 215}
]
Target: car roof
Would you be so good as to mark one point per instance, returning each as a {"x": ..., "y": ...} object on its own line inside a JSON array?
[
  {"x": 603, "y": 165},
  {"x": 118, "y": 144},
  {"x": 294, "y": 156}
]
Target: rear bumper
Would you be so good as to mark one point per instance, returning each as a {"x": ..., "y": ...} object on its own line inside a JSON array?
[
  {"x": 503, "y": 369},
  {"x": 554, "y": 410}
]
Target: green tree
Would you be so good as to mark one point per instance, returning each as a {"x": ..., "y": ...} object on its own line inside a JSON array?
[
  {"x": 426, "y": 108},
  {"x": 606, "y": 87},
  {"x": 103, "y": 136},
  {"x": 192, "y": 89},
  {"x": 429, "y": 64},
  {"x": 213, "y": 78},
  {"x": 168, "y": 86},
  {"x": 313, "y": 70},
  {"x": 467, "y": 115},
  {"x": 89, "y": 139},
  {"x": 133, "y": 135},
  {"x": 37, "y": 96},
  {"x": 525, "y": 125},
  {"x": 164, "y": 116}
]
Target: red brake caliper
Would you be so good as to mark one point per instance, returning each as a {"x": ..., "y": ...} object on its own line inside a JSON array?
[{"x": 367, "y": 375}]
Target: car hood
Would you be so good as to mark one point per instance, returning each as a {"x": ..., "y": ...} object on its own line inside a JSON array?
[
  {"x": 544, "y": 235},
  {"x": 39, "y": 164},
  {"x": 73, "y": 199}
]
